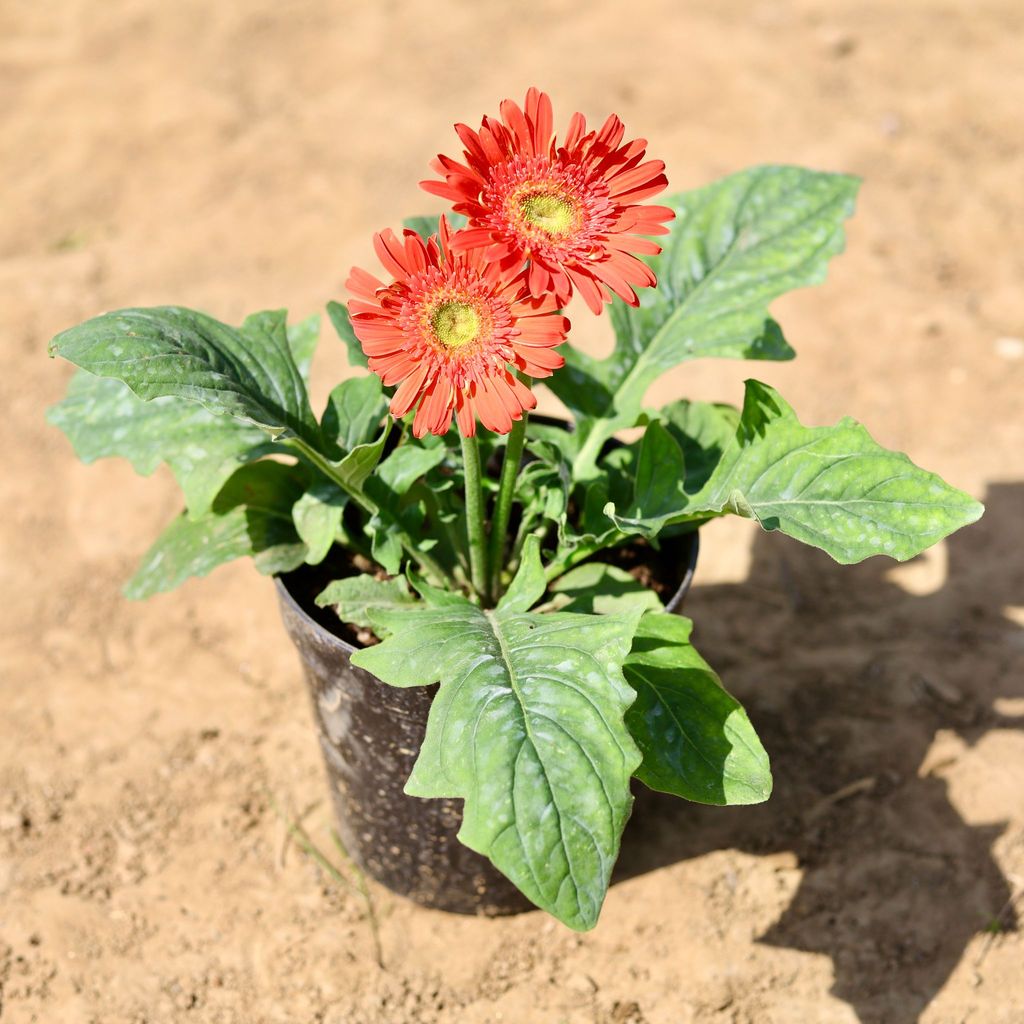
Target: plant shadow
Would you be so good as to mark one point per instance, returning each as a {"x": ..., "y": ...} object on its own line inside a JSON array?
[{"x": 850, "y": 679}]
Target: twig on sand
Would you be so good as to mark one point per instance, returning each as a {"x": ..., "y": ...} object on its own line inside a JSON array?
[{"x": 825, "y": 804}]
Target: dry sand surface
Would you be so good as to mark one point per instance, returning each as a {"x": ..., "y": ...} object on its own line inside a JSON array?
[{"x": 235, "y": 156}]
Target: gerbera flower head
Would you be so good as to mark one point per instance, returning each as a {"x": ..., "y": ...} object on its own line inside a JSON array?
[
  {"x": 451, "y": 330},
  {"x": 575, "y": 211}
]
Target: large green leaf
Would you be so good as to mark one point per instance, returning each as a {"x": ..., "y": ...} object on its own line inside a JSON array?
[
  {"x": 249, "y": 372},
  {"x": 303, "y": 338},
  {"x": 734, "y": 247},
  {"x": 102, "y": 418},
  {"x": 696, "y": 739},
  {"x": 527, "y": 728},
  {"x": 252, "y": 515},
  {"x": 832, "y": 487}
]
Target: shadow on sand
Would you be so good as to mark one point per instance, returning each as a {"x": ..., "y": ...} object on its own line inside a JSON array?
[{"x": 848, "y": 678}]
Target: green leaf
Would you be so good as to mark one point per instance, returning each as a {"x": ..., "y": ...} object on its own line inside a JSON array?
[
  {"x": 565, "y": 442},
  {"x": 735, "y": 246},
  {"x": 543, "y": 489},
  {"x": 246, "y": 372},
  {"x": 527, "y": 728},
  {"x": 385, "y": 547},
  {"x": 251, "y": 516},
  {"x": 704, "y": 431},
  {"x": 832, "y": 487},
  {"x": 317, "y": 516},
  {"x": 103, "y": 418},
  {"x": 356, "y": 597},
  {"x": 399, "y": 505},
  {"x": 696, "y": 739},
  {"x": 354, "y": 412},
  {"x": 528, "y": 586},
  {"x": 406, "y": 464},
  {"x": 343, "y": 325},
  {"x": 436, "y": 597},
  {"x": 595, "y": 588},
  {"x": 544, "y": 483},
  {"x": 303, "y": 338},
  {"x": 362, "y": 460},
  {"x": 658, "y": 485},
  {"x": 428, "y": 225}
]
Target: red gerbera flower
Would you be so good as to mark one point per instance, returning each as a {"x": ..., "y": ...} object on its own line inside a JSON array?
[
  {"x": 574, "y": 211},
  {"x": 447, "y": 331}
]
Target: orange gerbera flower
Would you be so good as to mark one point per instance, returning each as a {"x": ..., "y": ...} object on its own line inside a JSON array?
[
  {"x": 447, "y": 331},
  {"x": 574, "y": 211}
]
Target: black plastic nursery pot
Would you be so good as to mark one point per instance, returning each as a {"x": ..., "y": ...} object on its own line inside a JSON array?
[{"x": 370, "y": 734}]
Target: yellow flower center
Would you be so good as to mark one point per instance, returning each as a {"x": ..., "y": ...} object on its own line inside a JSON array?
[
  {"x": 554, "y": 214},
  {"x": 455, "y": 324}
]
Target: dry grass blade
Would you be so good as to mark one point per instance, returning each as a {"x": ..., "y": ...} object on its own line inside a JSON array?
[
  {"x": 359, "y": 888},
  {"x": 371, "y": 913}
]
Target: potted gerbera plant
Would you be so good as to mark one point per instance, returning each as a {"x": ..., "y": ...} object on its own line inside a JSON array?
[{"x": 510, "y": 562}]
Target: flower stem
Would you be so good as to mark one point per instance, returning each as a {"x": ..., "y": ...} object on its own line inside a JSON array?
[
  {"x": 475, "y": 533},
  {"x": 368, "y": 505},
  {"x": 503, "y": 505}
]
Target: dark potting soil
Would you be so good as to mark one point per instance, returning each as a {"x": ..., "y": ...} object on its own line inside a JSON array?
[
  {"x": 659, "y": 569},
  {"x": 308, "y": 581}
]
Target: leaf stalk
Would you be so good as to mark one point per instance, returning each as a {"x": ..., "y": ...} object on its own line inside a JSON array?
[
  {"x": 475, "y": 530},
  {"x": 503, "y": 504},
  {"x": 429, "y": 565}
]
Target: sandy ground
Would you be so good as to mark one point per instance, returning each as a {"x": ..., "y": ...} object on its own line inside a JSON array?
[{"x": 235, "y": 156}]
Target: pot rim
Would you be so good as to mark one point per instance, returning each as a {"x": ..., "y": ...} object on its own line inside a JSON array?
[
  {"x": 323, "y": 634},
  {"x": 333, "y": 640}
]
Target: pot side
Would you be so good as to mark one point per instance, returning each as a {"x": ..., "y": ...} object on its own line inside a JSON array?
[{"x": 370, "y": 735}]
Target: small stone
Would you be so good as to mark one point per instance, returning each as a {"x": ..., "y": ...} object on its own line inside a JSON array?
[
  {"x": 891, "y": 125},
  {"x": 1010, "y": 348},
  {"x": 838, "y": 42},
  {"x": 627, "y": 1013}
]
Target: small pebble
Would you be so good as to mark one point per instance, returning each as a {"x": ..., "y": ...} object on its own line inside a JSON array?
[
  {"x": 838, "y": 42},
  {"x": 891, "y": 125},
  {"x": 1010, "y": 348}
]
